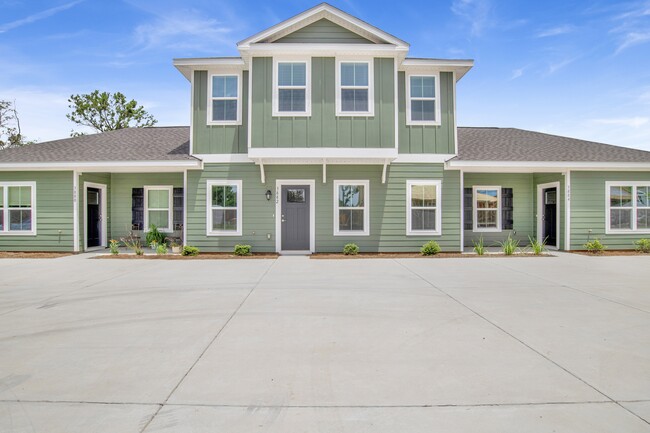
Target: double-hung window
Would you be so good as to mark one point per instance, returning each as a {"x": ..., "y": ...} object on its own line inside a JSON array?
[
  {"x": 291, "y": 88},
  {"x": 487, "y": 208},
  {"x": 224, "y": 107},
  {"x": 628, "y": 207},
  {"x": 224, "y": 203},
  {"x": 18, "y": 208},
  {"x": 158, "y": 207},
  {"x": 355, "y": 90},
  {"x": 423, "y": 216},
  {"x": 422, "y": 107},
  {"x": 351, "y": 207}
]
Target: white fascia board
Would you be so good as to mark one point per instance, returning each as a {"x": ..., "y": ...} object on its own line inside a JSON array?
[
  {"x": 423, "y": 158},
  {"x": 532, "y": 166},
  {"x": 212, "y": 158},
  {"x": 458, "y": 67},
  {"x": 187, "y": 66},
  {"x": 113, "y": 166},
  {"x": 328, "y": 50},
  {"x": 323, "y": 152}
]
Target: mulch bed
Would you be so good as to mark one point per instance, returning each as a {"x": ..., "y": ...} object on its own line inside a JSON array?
[
  {"x": 202, "y": 256},
  {"x": 611, "y": 253},
  {"x": 326, "y": 256},
  {"x": 18, "y": 255}
]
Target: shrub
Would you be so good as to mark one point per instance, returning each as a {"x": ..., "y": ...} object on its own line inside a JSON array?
[
  {"x": 479, "y": 247},
  {"x": 509, "y": 246},
  {"x": 536, "y": 246},
  {"x": 154, "y": 237},
  {"x": 161, "y": 249},
  {"x": 643, "y": 245},
  {"x": 133, "y": 242},
  {"x": 431, "y": 248},
  {"x": 114, "y": 245},
  {"x": 595, "y": 246},
  {"x": 243, "y": 250},
  {"x": 351, "y": 250},
  {"x": 189, "y": 251}
]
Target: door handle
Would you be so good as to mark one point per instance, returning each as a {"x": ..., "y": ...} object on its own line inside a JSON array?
[{"x": 283, "y": 220}]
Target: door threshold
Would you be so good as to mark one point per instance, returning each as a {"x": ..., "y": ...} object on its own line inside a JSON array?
[
  {"x": 295, "y": 253},
  {"x": 92, "y": 249}
]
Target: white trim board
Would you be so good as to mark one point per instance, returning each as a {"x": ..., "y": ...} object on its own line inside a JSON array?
[
  {"x": 366, "y": 208},
  {"x": 409, "y": 230},
  {"x": 436, "y": 98},
  {"x": 275, "y": 98},
  {"x": 5, "y": 208},
  {"x": 238, "y": 98},
  {"x": 208, "y": 207},
  {"x": 279, "y": 183},
  {"x": 540, "y": 212},
  {"x": 633, "y": 209},
  {"x": 475, "y": 209},
  {"x": 170, "y": 209},
  {"x": 103, "y": 212}
]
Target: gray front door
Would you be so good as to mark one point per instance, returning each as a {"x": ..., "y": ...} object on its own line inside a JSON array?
[{"x": 295, "y": 217}]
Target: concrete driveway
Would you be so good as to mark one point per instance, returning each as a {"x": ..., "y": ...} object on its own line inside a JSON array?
[{"x": 297, "y": 345}]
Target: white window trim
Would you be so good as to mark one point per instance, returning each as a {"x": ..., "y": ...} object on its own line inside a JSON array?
[
  {"x": 237, "y": 121},
  {"x": 475, "y": 209},
  {"x": 5, "y": 209},
  {"x": 437, "y": 121},
  {"x": 208, "y": 202},
  {"x": 276, "y": 88},
  {"x": 371, "y": 88},
  {"x": 170, "y": 191},
  {"x": 366, "y": 208},
  {"x": 634, "y": 208},
  {"x": 438, "y": 208}
]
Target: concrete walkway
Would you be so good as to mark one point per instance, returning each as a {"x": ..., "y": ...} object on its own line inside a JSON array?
[{"x": 297, "y": 345}]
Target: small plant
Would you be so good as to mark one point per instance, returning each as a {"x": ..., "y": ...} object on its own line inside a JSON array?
[
  {"x": 351, "y": 249},
  {"x": 479, "y": 246},
  {"x": 431, "y": 248},
  {"x": 154, "y": 237},
  {"x": 174, "y": 244},
  {"x": 161, "y": 249},
  {"x": 536, "y": 246},
  {"x": 643, "y": 246},
  {"x": 509, "y": 246},
  {"x": 114, "y": 246},
  {"x": 595, "y": 246},
  {"x": 189, "y": 251},
  {"x": 133, "y": 242},
  {"x": 243, "y": 250}
]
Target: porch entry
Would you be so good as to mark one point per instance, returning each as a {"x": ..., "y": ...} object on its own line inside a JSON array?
[
  {"x": 295, "y": 217},
  {"x": 548, "y": 213},
  {"x": 94, "y": 215}
]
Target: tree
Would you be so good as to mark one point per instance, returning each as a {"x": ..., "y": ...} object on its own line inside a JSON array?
[
  {"x": 104, "y": 111},
  {"x": 10, "y": 132}
]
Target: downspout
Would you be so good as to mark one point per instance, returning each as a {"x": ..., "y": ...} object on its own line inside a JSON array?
[
  {"x": 462, "y": 211},
  {"x": 184, "y": 232},
  {"x": 75, "y": 211},
  {"x": 567, "y": 210}
]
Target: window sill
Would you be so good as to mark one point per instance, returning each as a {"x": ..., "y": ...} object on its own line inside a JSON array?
[
  {"x": 291, "y": 114},
  {"x": 225, "y": 123},
  {"x": 18, "y": 233},
  {"x": 423, "y": 123},
  {"x": 231, "y": 234},
  {"x": 477, "y": 230},
  {"x": 351, "y": 233},
  {"x": 355, "y": 114},
  {"x": 627, "y": 232},
  {"x": 424, "y": 233}
]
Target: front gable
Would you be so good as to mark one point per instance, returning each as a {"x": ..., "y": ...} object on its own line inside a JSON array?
[{"x": 323, "y": 31}]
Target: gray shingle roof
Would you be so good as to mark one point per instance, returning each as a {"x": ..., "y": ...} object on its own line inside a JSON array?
[
  {"x": 131, "y": 144},
  {"x": 511, "y": 144}
]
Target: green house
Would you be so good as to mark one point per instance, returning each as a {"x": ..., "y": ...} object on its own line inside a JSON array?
[{"x": 321, "y": 133}]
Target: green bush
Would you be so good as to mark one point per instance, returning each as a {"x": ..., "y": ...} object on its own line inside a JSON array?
[
  {"x": 536, "y": 246},
  {"x": 509, "y": 246},
  {"x": 243, "y": 250},
  {"x": 189, "y": 251},
  {"x": 431, "y": 248},
  {"x": 595, "y": 246},
  {"x": 154, "y": 236},
  {"x": 161, "y": 249},
  {"x": 351, "y": 249},
  {"x": 114, "y": 247},
  {"x": 479, "y": 247},
  {"x": 643, "y": 245}
]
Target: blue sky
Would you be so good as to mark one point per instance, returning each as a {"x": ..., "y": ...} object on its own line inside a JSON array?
[{"x": 566, "y": 67}]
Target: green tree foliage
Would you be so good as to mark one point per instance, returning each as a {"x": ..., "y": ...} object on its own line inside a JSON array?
[
  {"x": 10, "y": 132},
  {"x": 104, "y": 111}
]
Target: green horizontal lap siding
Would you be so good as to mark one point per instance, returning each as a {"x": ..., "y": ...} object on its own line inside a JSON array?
[
  {"x": 324, "y": 31},
  {"x": 387, "y": 206},
  {"x": 541, "y": 178},
  {"x": 428, "y": 139},
  {"x": 217, "y": 138},
  {"x": 54, "y": 209},
  {"x": 100, "y": 178},
  {"x": 523, "y": 213},
  {"x": 122, "y": 185},
  {"x": 588, "y": 208},
  {"x": 323, "y": 128}
]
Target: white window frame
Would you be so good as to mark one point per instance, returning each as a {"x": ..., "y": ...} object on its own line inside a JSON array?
[
  {"x": 208, "y": 202},
  {"x": 436, "y": 99},
  {"x": 237, "y": 121},
  {"x": 276, "y": 87},
  {"x": 5, "y": 209},
  {"x": 370, "y": 87},
  {"x": 634, "y": 208},
  {"x": 366, "y": 208},
  {"x": 170, "y": 216},
  {"x": 498, "y": 228},
  {"x": 438, "y": 207}
]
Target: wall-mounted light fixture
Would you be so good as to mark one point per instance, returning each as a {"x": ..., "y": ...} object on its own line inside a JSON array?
[{"x": 268, "y": 194}]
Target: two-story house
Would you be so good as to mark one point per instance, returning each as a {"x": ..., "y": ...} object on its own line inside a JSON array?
[{"x": 321, "y": 133}]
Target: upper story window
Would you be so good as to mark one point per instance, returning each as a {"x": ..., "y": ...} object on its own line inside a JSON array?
[
  {"x": 422, "y": 105},
  {"x": 628, "y": 207},
  {"x": 291, "y": 88},
  {"x": 224, "y": 102},
  {"x": 17, "y": 208},
  {"x": 354, "y": 88}
]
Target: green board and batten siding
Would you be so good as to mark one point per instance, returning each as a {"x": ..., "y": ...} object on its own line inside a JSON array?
[
  {"x": 323, "y": 31},
  {"x": 54, "y": 222},
  {"x": 588, "y": 208},
  {"x": 429, "y": 139},
  {"x": 323, "y": 128},
  {"x": 387, "y": 206}
]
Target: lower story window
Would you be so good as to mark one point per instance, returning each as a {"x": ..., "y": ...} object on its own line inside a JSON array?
[
  {"x": 224, "y": 207},
  {"x": 158, "y": 201},
  {"x": 628, "y": 207},
  {"x": 487, "y": 208},
  {"x": 17, "y": 208},
  {"x": 351, "y": 215},
  {"x": 423, "y": 207}
]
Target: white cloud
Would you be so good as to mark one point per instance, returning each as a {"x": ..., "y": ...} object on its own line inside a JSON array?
[
  {"x": 555, "y": 31},
  {"x": 633, "y": 122},
  {"x": 556, "y": 66},
  {"x": 517, "y": 73},
  {"x": 632, "y": 26},
  {"x": 475, "y": 12},
  {"x": 633, "y": 38},
  {"x": 37, "y": 16}
]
